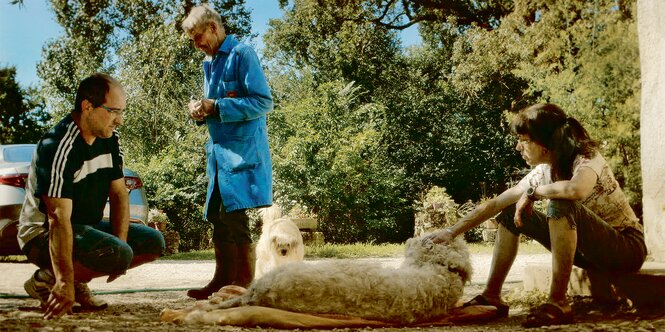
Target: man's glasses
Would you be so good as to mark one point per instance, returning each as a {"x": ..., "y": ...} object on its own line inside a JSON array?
[{"x": 114, "y": 111}]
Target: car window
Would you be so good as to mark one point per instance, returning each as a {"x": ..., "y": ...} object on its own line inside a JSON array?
[{"x": 17, "y": 154}]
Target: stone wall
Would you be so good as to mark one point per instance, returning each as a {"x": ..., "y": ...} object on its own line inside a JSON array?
[{"x": 651, "y": 32}]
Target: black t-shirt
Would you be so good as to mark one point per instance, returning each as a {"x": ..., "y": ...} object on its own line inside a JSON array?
[{"x": 67, "y": 167}]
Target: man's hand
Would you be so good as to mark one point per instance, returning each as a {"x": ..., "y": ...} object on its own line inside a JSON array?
[
  {"x": 523, "y": 205},
  {"x": 60, "y": 301},
  {"x": 194, "y": 107},
  {"x": 443, "y": 236},
  {"x": 199, "y": 109}
]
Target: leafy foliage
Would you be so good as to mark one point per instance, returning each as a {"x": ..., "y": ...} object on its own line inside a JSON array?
[
  {"x": 140, "y": 42},
  {"x": 437, "y": 210},
  {"x": 363, "y": 127},
  {"x": 333, "y": 162},
  {"x": 584, "y": 57},
  {"x": 175, "y": 181},
  {"x": 22, "y": 115}
]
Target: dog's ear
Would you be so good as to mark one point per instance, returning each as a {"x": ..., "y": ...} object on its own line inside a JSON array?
[{"x": 271, "y": 213}]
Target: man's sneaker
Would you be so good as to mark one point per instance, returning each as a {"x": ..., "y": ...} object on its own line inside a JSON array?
[
  {"x": 83, "y": 296},
  {"x": 39, "y": 285}
]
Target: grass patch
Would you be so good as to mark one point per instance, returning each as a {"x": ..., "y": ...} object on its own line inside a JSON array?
[
  {"x": 14, "y": 259},
  {"x": 197, "y": 255},
  {"x": 357, "y": 250},
  {"x": 362, "y": 250}
]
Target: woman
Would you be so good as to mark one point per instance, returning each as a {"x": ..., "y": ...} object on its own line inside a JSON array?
[{"x": 589, "y": 222}]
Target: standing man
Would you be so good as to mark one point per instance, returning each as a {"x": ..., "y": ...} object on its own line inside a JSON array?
[
  {"x": 237, "y": 99},
  {"x": 76, "y": 168}
]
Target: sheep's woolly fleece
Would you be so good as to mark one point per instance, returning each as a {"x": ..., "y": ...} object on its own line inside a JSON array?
[{"x": 426, "y": 287}]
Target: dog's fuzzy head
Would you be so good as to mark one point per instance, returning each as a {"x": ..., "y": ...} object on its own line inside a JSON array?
[
  {"x": 284, "y": 246},
  {"x": 453, "y": 255}
]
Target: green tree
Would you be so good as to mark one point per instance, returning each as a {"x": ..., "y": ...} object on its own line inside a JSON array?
[
  {"x": 333, "y": 162},
  {"x": 319, "y": 38},
  {"x": 175, "y": 181},
  {"x": 591, "y": 68},
  {"x": 584, "y": 57},
  {"x": 140, "y": 42},
  {"x": 22, "y": 114},
  {"x": 430, "y": 133}
]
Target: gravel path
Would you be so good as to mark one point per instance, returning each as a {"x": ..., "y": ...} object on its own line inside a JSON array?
[
  {"x": 137, "y": 298},
  {"x": 166, "y": 274}
]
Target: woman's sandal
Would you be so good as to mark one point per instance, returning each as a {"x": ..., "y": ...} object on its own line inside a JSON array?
[
  {"x": 501, "y": 309},
  {"x": 548, "y": 314}
]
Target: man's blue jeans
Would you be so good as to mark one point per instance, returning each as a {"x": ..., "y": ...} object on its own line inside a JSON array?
[{"x": 96, "y": 248}]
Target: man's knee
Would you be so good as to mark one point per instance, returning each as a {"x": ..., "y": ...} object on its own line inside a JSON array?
[
  {"x": 110, "y": 257},
  {"x": 146, "y": 240},
  {"x": 233, "y": 227}
]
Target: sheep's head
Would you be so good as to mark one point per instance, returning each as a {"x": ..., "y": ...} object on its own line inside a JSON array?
[{"x": 453, "y": 255}]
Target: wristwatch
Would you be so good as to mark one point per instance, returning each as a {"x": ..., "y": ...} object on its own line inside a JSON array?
[{"x": 531, "y": 193}]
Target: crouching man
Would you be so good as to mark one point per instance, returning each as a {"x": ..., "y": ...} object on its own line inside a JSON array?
[{"x": 76, "y": 168}]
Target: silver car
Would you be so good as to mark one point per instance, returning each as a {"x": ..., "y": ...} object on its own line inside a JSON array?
[{"x": 14, "y": 167}]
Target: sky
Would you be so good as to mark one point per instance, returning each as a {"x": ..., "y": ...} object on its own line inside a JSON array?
[{"x": 24, "y": 30}]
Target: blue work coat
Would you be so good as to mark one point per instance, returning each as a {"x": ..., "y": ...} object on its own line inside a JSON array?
[{"x": 237, "y": 149}]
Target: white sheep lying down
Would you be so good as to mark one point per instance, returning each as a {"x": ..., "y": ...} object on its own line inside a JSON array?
[{"x": 426, "y": 286}]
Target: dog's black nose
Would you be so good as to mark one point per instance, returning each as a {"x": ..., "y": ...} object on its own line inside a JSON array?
[{"x": 284, "y": 252}]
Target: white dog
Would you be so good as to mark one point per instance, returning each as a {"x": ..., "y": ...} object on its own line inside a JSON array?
[
  {"x": 425, "y": 287},
  {"x": 280, "y": 242}
]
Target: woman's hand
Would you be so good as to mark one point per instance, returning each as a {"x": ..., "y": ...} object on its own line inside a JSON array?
[
  {"x": 523, "y": 205},
  {"x": 442, "y": 236}
]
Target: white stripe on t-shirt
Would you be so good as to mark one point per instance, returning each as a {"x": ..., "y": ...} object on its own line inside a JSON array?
[
  {"x": 93, "y": 165},
  {"x": 60, "y": 160}
]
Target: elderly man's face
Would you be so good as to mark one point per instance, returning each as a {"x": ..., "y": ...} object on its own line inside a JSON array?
[{"x": 207, "y": 38}]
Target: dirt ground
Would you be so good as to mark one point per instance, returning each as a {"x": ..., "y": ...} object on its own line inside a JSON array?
[
  {"x": 139, "y": 311},
  {"x": 136, "y": 300}
]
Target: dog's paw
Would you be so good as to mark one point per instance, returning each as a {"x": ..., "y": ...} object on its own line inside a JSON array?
[{"x": 226, "y": 293}]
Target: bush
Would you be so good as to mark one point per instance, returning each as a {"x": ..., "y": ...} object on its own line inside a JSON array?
[
  {"x": 438, "y": 210},
  {"x": 176, "y": 183},
  {"x": 328, "y": 155}
]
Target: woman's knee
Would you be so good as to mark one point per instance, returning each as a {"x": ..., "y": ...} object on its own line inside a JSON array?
[
  {"x": 506, "y": 218},
  {"x": 564, "y": 211}
]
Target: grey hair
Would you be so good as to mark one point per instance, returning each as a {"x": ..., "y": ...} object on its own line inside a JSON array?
[{"x": 200, "y": 16}]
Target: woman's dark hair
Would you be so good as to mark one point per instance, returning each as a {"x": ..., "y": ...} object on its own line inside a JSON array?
[
  {"x": 94, "y": 89},
  {"x": 563, "y": 136}
]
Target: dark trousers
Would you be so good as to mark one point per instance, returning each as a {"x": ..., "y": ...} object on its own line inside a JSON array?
[
  {"x": 599, "y": 246},
  {"x": 228, "y": 227}
]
